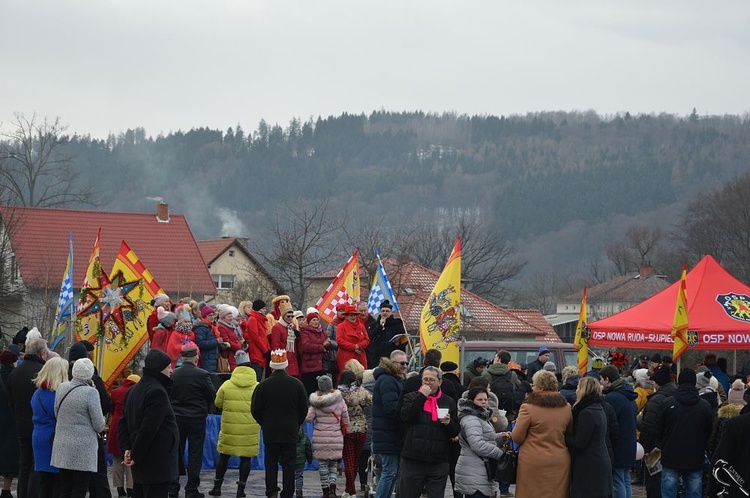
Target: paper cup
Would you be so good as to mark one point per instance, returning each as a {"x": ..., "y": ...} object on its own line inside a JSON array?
[
  {"x": 502, "y": 413},
  {"x": 442, "y": 412}
]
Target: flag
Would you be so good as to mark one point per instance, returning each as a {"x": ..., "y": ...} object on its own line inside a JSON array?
[
  {"x": 581, "y": 341},
  {"x": 380, "y": 290},
  {"x": 441, "y": 315},
  {"x": 87, "y": 327},
  {"x": 65, "y": 312},
  {"x": 680, "y": 324},
  {"x": 343, "y": 289},
  {"x": 125, "y": 322}
]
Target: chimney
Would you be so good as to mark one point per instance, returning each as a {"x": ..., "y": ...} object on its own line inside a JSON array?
[
  {"x": 162, "y": 212},
  {"x": 645, "y": 270}
]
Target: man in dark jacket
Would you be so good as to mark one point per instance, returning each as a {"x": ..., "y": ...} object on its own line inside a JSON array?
[
  {"x": 621, "y": 397},
  {"x": 386, "y": 422},
  {"x": 381, "y": 332},
  {"x": 474, "y": 369},
  {"x": 432, "y": 358},
  {"x": 730, "y": 459},
  {"x": 650, "y": 431},
  {"x": 424, "y": 458},
  {"x": 147, "y": 432},
  {"x": 99, "y": 483},
  {"x": 503, "y": 383},
  {"x": 192, "y": 395},
  {"x": 685, "y": 423},
  {"x": 538, "y": 364},
  {"x": 21, "y": 390},
  {"x": 279, "y": 405}
]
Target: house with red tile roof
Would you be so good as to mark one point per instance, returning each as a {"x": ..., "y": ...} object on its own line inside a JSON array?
[
  {"x": 480, "y": 319},
  {"x": 237, "y": 274},
  {"x": 35, "y": 251}
]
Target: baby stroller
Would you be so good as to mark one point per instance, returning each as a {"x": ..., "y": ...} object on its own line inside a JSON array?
[{"x": 373, "y": 475}]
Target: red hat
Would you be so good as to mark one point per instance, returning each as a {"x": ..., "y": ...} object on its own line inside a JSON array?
[
  {"x": 207, "y": 310},
  {"x": 341, "y": 306},
  {"x": 310, "y": 316},
  {"x": 351, "y": 310}
]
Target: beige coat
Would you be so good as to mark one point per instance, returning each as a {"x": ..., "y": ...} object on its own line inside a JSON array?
[{"x": 543, "y": 459}]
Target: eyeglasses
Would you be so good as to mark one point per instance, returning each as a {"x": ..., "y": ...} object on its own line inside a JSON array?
[{"x": 402, "y": 363}]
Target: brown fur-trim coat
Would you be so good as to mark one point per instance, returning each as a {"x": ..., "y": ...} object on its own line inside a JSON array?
[{"x": 543, "y": 459}]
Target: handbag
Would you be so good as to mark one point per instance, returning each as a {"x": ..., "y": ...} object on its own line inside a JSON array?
[
  {"x": 507, "y": 466},
  {"x": 341, "y": 423},
  {"x": 222, "y": 365}
]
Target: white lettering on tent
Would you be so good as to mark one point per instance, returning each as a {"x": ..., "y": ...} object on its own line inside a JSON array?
[
  {"x": 739, "y": 338},
  {"x": 659, "y": 338},
  {"x": 615, "y": 336},
  {"x": 635, "y": 337},
  {"x": 713, "y": 338}
]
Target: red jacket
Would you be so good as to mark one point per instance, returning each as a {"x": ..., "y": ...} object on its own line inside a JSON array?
[
  {"x": 118, "y": 405},
  {"x": 279, "y": 335},
  {"x": 229, "y": 335},
  {"x": 160, "y": 339},
  {"x": 311, "y": 349},
  {"x": 176, "y": 342},
  {"x": 151, "y": 323},
  {"x": 349, "y": 335},
  {"x": 254, "y": 332}
]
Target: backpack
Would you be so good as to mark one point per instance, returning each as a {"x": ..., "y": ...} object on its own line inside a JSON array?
[{"x": 503, "y": 388}]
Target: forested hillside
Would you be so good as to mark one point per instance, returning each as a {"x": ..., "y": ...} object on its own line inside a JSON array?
[{"x": 560, "y": 186}]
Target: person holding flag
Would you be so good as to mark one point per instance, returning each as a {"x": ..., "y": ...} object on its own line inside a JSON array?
[{"x": 381, "y": 337}]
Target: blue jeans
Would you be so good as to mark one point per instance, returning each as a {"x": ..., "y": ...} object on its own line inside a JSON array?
[
  {"x": 621, "y": 482},
  {"x": 388, "y": 473},
  {"x": 692, "y": 480}
]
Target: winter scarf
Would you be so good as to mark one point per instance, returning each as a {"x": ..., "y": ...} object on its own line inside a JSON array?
[
  {"x": 291, "y": 335},
  {"x": 431, "y": 404}
]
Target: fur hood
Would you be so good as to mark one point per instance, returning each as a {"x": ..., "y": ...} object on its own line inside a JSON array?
[
  {"x": 729, "y": 410},
  {"x": 546, "y": 399},
  {"x": 324, "y": 400},
  {"x": 466, "y": 407},
  {"x": 390, "y": 368}
]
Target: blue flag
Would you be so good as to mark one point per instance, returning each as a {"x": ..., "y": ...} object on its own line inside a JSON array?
[
  {"x": 380, "y": 291},
  {"x": 65, "y": 313}
]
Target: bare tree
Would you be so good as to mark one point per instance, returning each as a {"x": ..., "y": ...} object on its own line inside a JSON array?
[
  {"x": 34, "y": 169},
  {"x": 303, "y": 241},
  {"x": 642, "y": 245}
]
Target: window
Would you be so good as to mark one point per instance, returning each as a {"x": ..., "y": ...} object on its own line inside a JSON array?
[
  {"x": 231, "y": 253},
  {"x": 224, "y": 282}
]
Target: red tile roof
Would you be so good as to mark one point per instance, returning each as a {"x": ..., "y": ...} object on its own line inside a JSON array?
[{"x": 39, "y": 238}]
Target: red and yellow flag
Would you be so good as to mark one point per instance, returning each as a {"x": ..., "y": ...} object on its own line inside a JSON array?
[
  {"x": 441, "y": 316},
  {"x": 343, "y": 289},
  {"x": 680, "y": 324},
  {"x": 581, "y": 341}
]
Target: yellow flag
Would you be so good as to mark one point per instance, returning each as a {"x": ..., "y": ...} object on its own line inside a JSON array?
[
  {"x": 680, "y": 324},
  {"x": 581, "y": 341},
  {"x": 441, "y": 316}
]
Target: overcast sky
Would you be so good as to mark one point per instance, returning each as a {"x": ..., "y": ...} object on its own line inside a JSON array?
[{"x": 107, "y": 65}]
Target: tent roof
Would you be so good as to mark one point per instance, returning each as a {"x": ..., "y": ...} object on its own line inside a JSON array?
[{"x": 718, "y": 305}]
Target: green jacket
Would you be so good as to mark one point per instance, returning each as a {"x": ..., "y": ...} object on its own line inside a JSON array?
[{"x": 240, "y": 433}]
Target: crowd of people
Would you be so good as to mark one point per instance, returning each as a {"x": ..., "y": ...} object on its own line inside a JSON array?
[{"x": 575, "y": 436}]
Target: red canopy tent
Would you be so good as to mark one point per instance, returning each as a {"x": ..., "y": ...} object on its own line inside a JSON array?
[{"x": 718, "y": 315}]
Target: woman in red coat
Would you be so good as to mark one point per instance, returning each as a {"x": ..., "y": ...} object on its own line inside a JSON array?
[
  {"x": 313, "y": 344},
  {"x": 254, "y": 331},
  {"x": 230, "y": 336},
  {"x": 122, "y": 476},
  {"x": 352, "y": 338},
  {"x": 284, "y": 336}
]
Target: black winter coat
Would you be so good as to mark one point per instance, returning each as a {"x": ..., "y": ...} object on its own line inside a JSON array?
[
  {"x": 279, "y": 405},
  {"x": 622, "y": 399},
  {"x": 613, "y": 429},
  {"x": 387, "y": 430},
  {"x": 149, "y": 430},
  {"x": 734, "y": 450},
  {"x": 452, "y": 386},
  {"x": 427, "y": 440},
  {"x": 591, "y": 467},
  {"x": 22, "y": 387},
  {"x": 380, "y": 337},
  {"x": 650, "y": 434},
  {"x": 685, "y": 423},
  {"x": 192, "y": 392}
]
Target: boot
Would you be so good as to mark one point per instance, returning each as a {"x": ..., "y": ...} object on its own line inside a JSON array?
[
  {"x": 332, "y": 491},
  {"x": 326, "y": 493},
  {"x": 300, "y": 494},
  {"x": 121, "y": 492},
  {"x": 129, "y": 491},
  {"x": 216, "y": 490},
  {"x": 241, "y": 489},
  {"x": 6, "y": 494}
]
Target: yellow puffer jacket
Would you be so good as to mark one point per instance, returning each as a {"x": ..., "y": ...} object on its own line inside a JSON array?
[{"x": 240, "y": 433}]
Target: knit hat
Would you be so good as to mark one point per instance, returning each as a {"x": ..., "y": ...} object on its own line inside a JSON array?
[
  {"x": 77, "y": 351},
  {"x": 386, "y": 304},
  {"x": 543, "y": 350},
  {"x": 311, "y": 315},
  {"x": 207, "y": 310},
  {"x": 641, "y": 374},
  {"x": 83, "y": 369},
  {"x": 662, "y": 376},
  {"x": 224, "y": 311},
  {"x": 550, "y": 367},
  {"x": 241, "y": 357},
  {"x": 656, "y": 358},
  {"x": 298, "y": 314},
  {"x": 165, "y": 317},
  {"x": 278, "y": 359},
  {"x": 7, "y": 357},
  {"x": 160, "y": 300},
  {"x": 258, "y": 305},
  {"x": 156, "y": 360},
  {"x": 687, "y": 376},
  {"x": 134, "y": 378},
  {"x": 448, "y": 366},
  {"x": 702, "y": 379},
  {"x": 597, "y": 364},
  {"x": 325, "y": 383},
  {"x": 736, "y": 392},
  {"x": 285, "y": 308}
]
